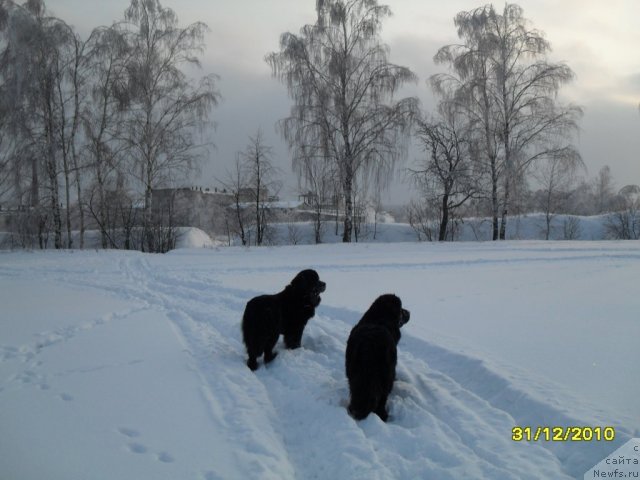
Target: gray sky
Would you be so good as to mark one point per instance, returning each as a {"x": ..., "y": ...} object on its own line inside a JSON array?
[{"x": 599, "y": 40}]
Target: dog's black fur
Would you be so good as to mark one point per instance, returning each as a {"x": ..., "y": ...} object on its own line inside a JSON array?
[
  {"x": 371, "y": 356},
  {"x": 267, "y": 316}
]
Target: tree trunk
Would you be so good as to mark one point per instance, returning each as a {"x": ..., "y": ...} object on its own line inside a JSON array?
[
  {"x": 442, "y": 234},
  {"x": 348, "y": 215},
  {"x": 102, "y": 206},
  {"x": 494, "y": 201},
  {"x": 505, "y": 211},
  {"x": 55, "y": 199},
  {"x": 147, "y": 222},
  {"x": 52, "y": 169},
  {"x": 34, "y": 216},
  {"x": 547, "y": 212},
  {"x": 348, "y": 203},
  {"x": 67, "y": 199},
  {"x": 243, "y": 237},
  {"x": 79, "y": 193},
  {"x": 318, "y": 223}
]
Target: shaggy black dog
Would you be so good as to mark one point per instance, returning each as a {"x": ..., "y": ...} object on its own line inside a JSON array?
[
  {"x": 371, "y": 356},
  {"x": 267, "y": 316}
]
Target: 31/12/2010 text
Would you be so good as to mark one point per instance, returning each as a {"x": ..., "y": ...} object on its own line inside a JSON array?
[{"x": 563, "y": 434}]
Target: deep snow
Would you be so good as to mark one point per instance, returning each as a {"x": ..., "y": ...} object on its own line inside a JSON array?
[{"x": 127, "y": 365}]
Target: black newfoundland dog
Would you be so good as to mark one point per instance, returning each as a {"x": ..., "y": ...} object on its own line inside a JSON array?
[
  {"x": 371, "y": 356},
  {"x": 267, "y": 316}
]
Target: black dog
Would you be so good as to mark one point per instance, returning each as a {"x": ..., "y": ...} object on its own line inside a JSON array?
[
  {"x": 267, "y": 316},
  {"x": 371, "y": 356}
]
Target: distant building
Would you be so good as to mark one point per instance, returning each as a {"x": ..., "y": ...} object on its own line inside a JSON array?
[
  {"x": 191, "y": 206},
  {"x": 310, "y": 199}
]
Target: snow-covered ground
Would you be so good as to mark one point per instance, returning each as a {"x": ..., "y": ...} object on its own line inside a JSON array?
[{"x": 122, "y": 365}]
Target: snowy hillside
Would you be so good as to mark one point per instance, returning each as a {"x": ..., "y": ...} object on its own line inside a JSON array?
[
  {"x": 122, "y": 365},
  {"x": 525, "y": 227}
]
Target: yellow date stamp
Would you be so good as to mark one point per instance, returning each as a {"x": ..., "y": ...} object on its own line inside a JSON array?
[{"x": 563, "y": 434}]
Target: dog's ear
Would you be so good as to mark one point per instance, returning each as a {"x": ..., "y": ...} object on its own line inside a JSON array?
[
  {"x": 298, "y": 282},
  {"x": 304, "y": 280},
  {"x": 390, "y": 304}
]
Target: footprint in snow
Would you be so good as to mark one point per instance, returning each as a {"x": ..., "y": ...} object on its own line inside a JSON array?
[
  {"x": 164, "y": 457},
  {"x": 137, "y": 448},
  {"x": 128, "y": 432}
]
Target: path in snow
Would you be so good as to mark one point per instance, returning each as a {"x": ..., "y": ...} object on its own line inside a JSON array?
[{"x": 438, "y": 428}]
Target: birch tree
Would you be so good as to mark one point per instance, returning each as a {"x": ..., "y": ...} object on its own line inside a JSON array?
[
  {"x": 33, "y": 66},
  {"x": 503, "y": 76},
  {"x": 42, "y": 68},
  {"x": 70, "y": 92},
  {"x": 166, "y": 108},
  {"x": 342, "y": 86},
  {"x": 603, "y": 190},
  {"x": 103, "y": 120},
  {"x": 318, "y": 178},
  {"x": 262, "y": 182},
  {"x": 556, "y": 176}
]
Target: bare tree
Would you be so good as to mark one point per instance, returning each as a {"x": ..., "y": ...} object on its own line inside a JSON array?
[
  {"x": 556, "y": 176},
  {"x": 236, "y": 221},
  {"x": 446, "y": 175},
  {"x": 103, "y": 119},
  {"x": 317, "y": 173},
  {"x": 342, "y": 85},
  {"x": 624, "y": 222},
  {"x": 422, "y": 219},
  {"x": 503, "y": 77},
  {"x": 70, "y": 82},
  {"x": 42, "y": 63},
  {"x": 262, "y": 182},
  {"x": 33, "y": 67},
  {"x": 166, "y": 108},
  {"x": 603, "y": 190}
]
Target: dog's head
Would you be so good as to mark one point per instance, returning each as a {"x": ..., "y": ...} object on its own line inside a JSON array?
[
  {"x": 387, "y": 310},
  {"x": 309, "y": 286}
]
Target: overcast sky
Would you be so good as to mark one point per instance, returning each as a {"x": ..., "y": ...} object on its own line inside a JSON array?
[{"x": 599, "y": 40}]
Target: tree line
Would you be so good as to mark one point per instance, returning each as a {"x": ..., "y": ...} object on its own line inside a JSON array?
[
  {"x": 87, "y": 123},
  {"x": 90, "y": 127}
]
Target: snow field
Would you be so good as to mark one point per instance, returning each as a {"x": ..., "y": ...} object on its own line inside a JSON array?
[{"x": 124, "y": 365}]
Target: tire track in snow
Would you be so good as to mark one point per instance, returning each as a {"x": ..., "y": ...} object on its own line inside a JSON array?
[{"x": 418, "y": 264}]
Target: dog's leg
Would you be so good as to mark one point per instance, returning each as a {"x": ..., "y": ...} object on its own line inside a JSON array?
[
  {"x": 292, "y": 341},
  {"x": 252, "y": 363},
  {"x": 356, "y": 413},
  {"x": 381, "y": 409},
  {"x": 270, "y": 344},
  {"x": 293, "y": 338},
  {"x": 269, "y": 355}
]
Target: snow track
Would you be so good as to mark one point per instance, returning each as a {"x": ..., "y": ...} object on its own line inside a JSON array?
[{"x": 451, "y": 415}]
